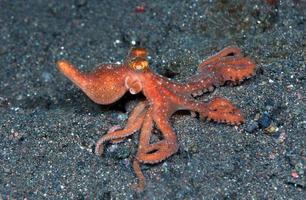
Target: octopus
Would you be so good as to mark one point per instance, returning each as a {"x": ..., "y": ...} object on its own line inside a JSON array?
[{"x": 163, "y": 97}]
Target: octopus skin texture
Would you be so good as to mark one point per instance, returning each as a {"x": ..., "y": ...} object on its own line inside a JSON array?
[{"x": 109, "y": 82}]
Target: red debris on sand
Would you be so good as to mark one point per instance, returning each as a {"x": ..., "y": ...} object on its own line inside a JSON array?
[
  {"x": 294, "y": 174},
  {"x": 272, "y": 2},
  {"x": 140, "y": 9}
]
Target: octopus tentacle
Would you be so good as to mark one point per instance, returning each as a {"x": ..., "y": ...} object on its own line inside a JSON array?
[
  {"x": 219, "y": 109},
  {"x": 228, "y": 65},
  {"x": 227, "y": 51},
  {"x": 222, "y": 110},
  {"x": 145, "y": 134},
  {"x": 134, "y": 123},
  {"x": 156, "y": 152},
  {"x": 139, "y": 187},
  {"x": 151, "y": 153},
  {"x": 188, "y": 87},
  {"x": 146, "y": 130},
  {"x": 230, "y": 69}
]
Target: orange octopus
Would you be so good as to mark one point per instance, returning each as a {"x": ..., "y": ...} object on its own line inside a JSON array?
[{"x": 109, "y": 82}]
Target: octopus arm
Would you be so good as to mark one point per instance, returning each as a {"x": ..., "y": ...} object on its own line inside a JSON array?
[
  {"x": 199, "y": 83},
  {"x": 134, "y": 123},
  {"x": 228, "y": 65},
  {"x": 156, "y": 152},
  {"x": 231, "y": 50},
  {"x": 218, "y": 109}
]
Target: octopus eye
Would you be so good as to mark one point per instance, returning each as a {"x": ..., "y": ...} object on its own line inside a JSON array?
[
  {"x": 138, "y": 52},
  {"x": 137, "y": 59},
  {"x": 139, "y": 64}
]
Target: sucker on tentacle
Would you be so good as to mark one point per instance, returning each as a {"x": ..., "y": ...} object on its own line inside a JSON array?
[{"x": 109, "y": 82}]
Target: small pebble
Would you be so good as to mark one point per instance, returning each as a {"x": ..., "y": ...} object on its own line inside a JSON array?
[
  {"x": 280, "y": 137},
  {"x": 165, "y": 167},
  {"x": 6, "y": 170},
  {"x": 140, "y": 9},
  {"x": 113, "y": 148},
  {"x": 264, "y": 121},
  {"x": 46, "y": 76},
  {"x": 122, "y": 152},
  {"x": 294, "y": 175},
  {"x": 271, "y": 129},
  {"x": 251, "y": 126},
  {"x": 122, "y": 117},
  {"x": 2, "y": 51},
  {"x": 119, "y": 117}
]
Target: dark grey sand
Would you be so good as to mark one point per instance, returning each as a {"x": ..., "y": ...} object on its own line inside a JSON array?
[{"x": 48, "y": 127}]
